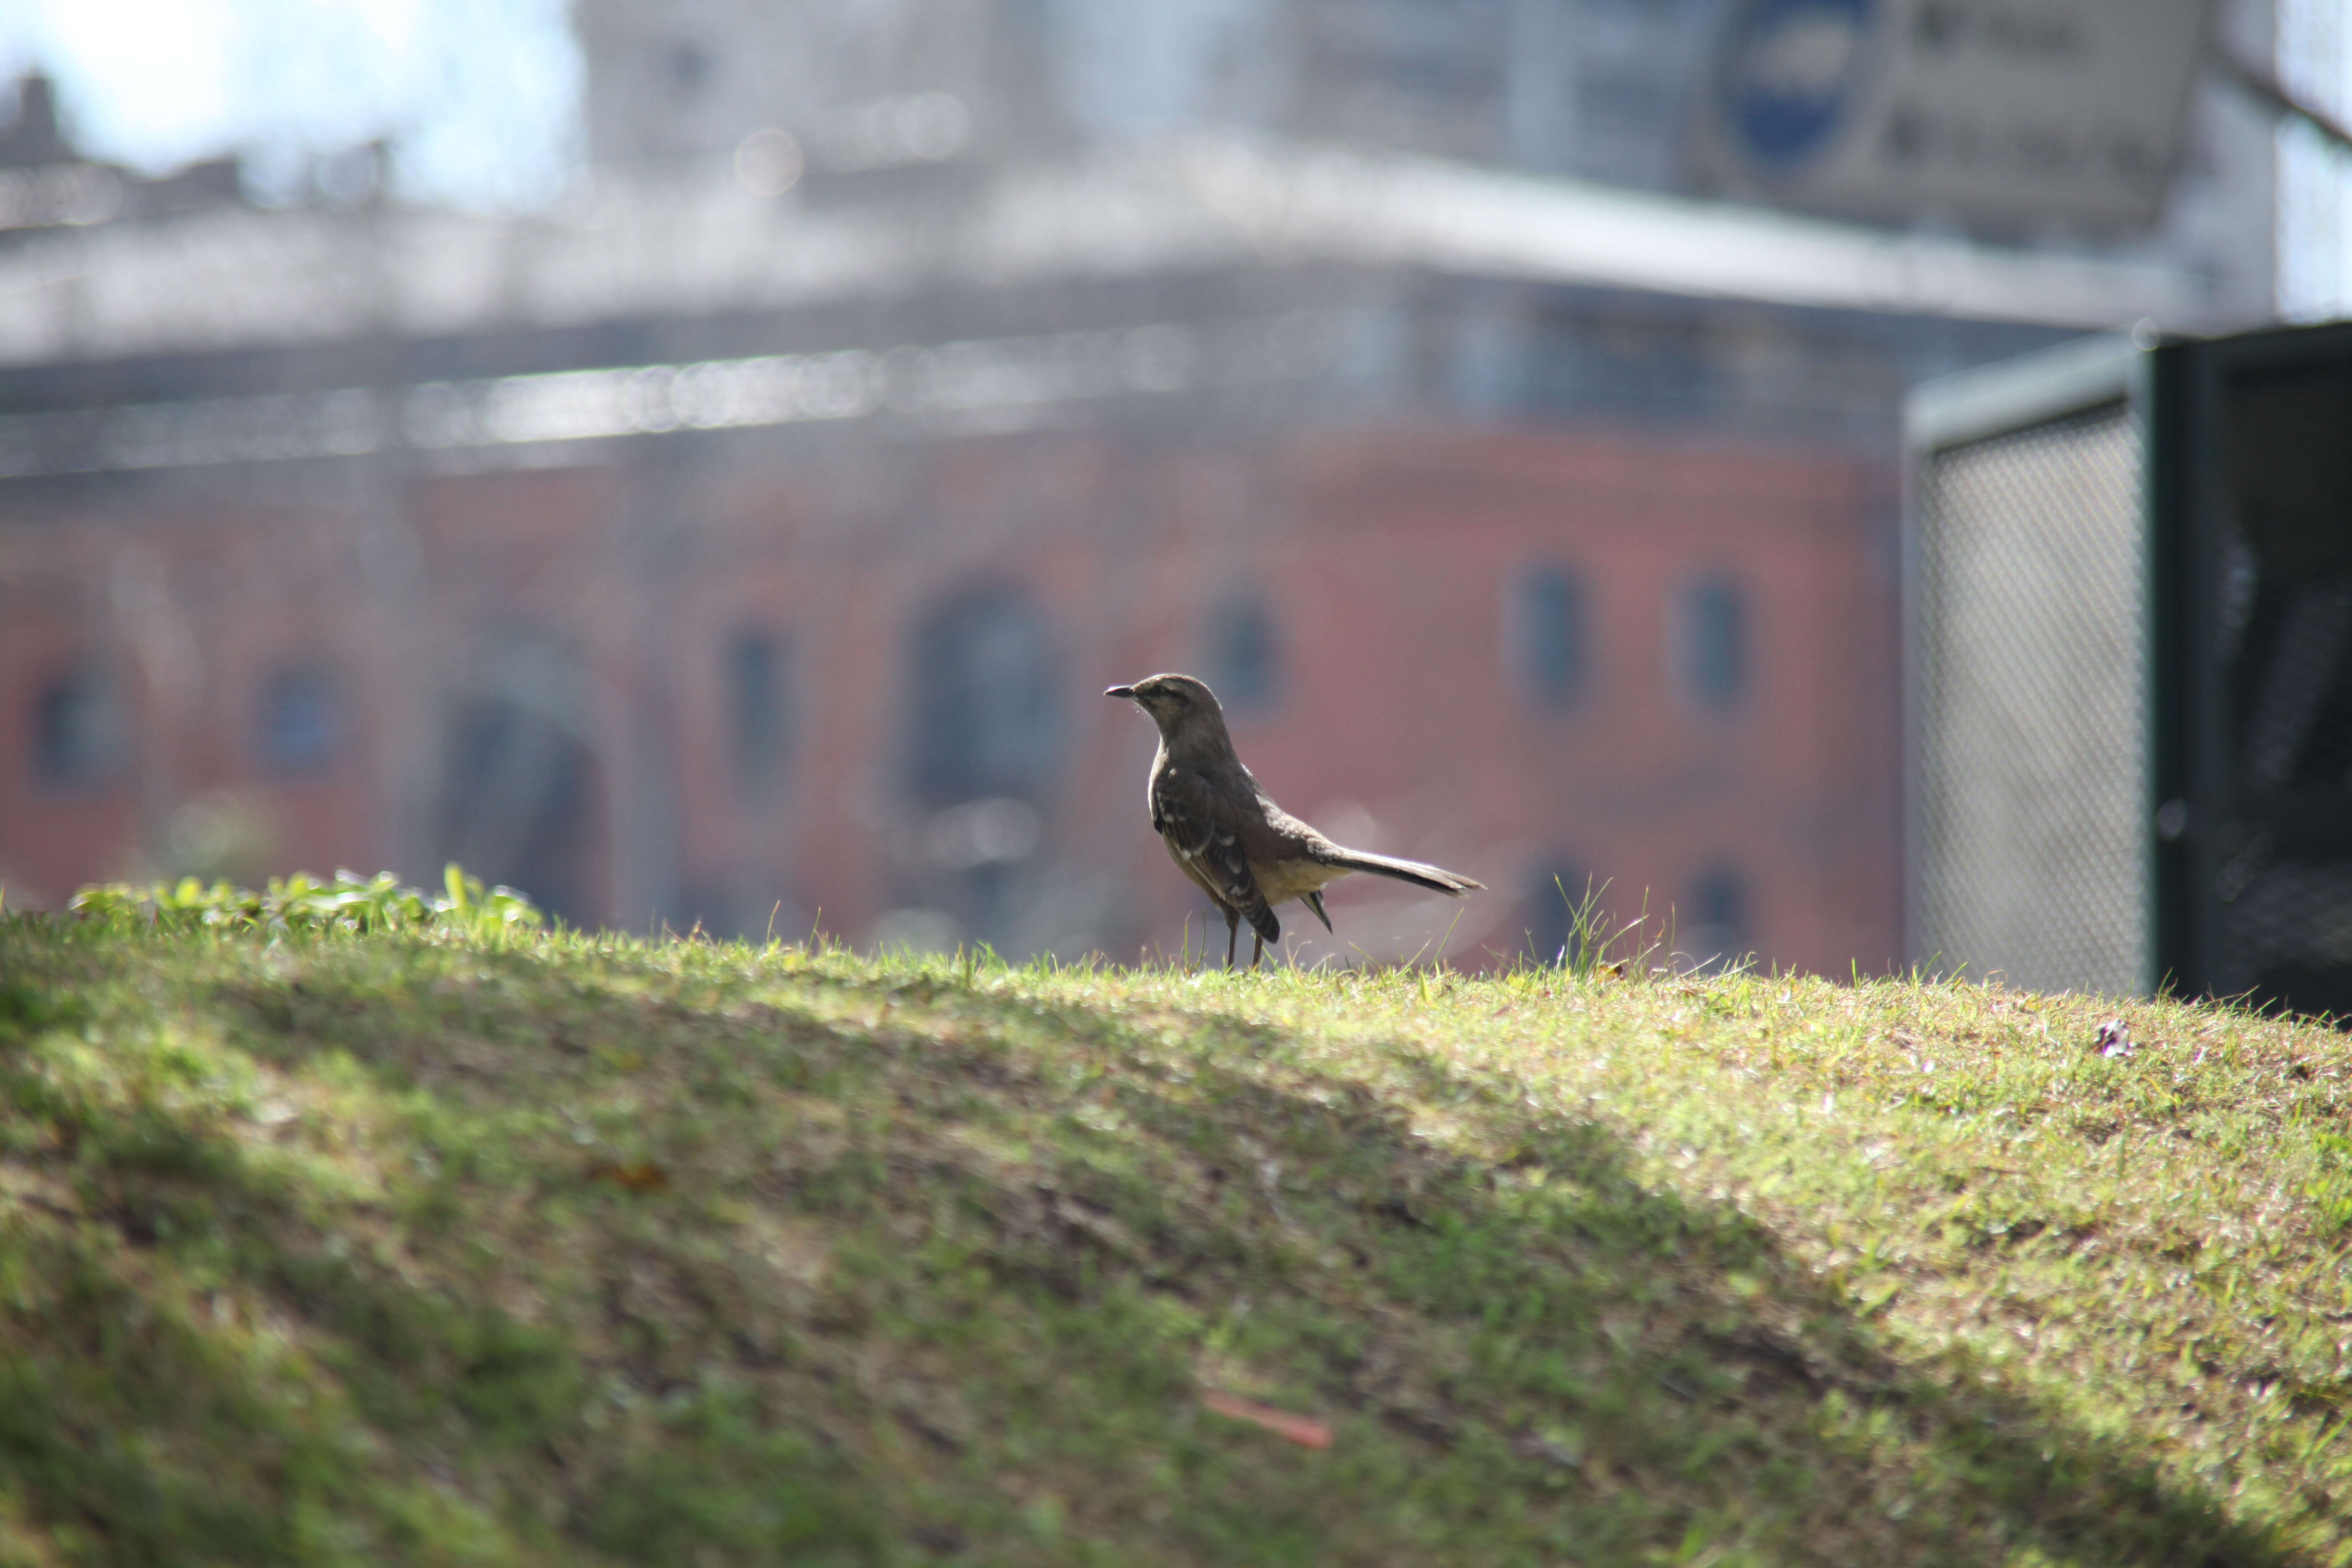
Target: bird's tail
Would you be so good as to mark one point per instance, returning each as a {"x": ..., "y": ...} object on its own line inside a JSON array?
[{"x": 1436, "y": 879}]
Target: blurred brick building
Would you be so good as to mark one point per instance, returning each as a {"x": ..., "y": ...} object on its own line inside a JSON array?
[{"x": 749, "y": 543}]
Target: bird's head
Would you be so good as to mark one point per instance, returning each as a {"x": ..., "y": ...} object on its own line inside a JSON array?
[{"x": 1176, "y": 702}]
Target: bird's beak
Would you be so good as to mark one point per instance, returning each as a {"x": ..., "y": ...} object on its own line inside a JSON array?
[{"x": 1126, "y": 691}]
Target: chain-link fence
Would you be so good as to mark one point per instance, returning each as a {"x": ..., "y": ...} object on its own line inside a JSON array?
[
  {"x": 2030, "y": 716},
  {"x": 2283, "y": 883}
]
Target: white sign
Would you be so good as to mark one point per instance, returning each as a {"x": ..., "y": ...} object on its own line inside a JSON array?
[{"x": 1995, "y": 113}]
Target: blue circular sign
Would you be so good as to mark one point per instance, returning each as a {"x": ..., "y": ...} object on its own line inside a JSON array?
[{"x": 1791, "y": 69}]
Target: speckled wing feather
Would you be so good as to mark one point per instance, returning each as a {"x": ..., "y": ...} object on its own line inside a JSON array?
[{"x": 1184, "y": 812}]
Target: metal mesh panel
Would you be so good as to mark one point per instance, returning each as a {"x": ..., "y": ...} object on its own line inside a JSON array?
[
  {"x": 2284, "y": 883},
  {"x": 2031, "y": 708}
]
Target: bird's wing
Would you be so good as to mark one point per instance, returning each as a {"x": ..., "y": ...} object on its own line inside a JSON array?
[{"x": 1185, "y": 812}]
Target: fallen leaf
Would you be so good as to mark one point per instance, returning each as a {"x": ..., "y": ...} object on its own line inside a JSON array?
[
  {"x": 2114, "y": 1039},
  {"x": 1302, "y": 1430},
  {"x": 640, "y": 1176}
]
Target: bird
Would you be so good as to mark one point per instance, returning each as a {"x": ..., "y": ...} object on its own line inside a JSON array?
[{"x": 1226, "y": 833}]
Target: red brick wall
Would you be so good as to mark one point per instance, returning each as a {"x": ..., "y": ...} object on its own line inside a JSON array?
[{"x": 1382, "y": 551}]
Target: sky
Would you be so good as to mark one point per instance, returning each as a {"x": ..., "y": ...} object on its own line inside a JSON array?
[
  {"x": 2314, "y": 224},
  {"x": 479, "y": 99}
]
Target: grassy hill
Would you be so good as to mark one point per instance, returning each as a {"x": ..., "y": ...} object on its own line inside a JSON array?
[{"x": 429, "y": 1247}]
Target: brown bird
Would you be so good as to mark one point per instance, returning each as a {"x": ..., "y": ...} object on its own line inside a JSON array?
[{"x": 1226, "y": 833}]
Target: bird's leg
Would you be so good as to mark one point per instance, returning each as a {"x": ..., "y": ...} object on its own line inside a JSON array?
[
  {"x": 1257, "y": 946},
  {"x": 1233, "y": 930}
]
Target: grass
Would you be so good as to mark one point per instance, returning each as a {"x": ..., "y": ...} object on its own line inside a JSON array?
[{"x": 482, "y": 1246}]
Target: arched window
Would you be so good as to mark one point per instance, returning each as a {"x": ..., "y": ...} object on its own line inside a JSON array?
[
  {"x": 984, "y": 702},
  {"x": 1557, "y": 891},
  {"x": 1545, "y": 639},
  {"x": 298, "y": 722},
  {"x": 1715, "y": 636},
  {"x": 522, "y": 799},
  {"x": 77, "y": 730},
  {"x": 1713, "y": 926},
  {"x": 1243, "y": 661},
  {"x": 759, "y": 727}
]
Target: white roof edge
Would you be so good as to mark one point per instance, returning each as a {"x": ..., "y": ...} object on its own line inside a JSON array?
[
  {"x": 1411, "y": 208},
  {"x": 2064, "y": 378},
  {"x": 694, "y": 241}
]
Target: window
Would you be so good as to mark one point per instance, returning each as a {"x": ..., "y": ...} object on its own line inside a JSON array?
[
  {"x": 520, "y": 802},
  {"x": 757, "y": 721},
  {"x": 298, "y": 721},
  {"x": 689, "y": 67},
  {"x": 1556, "y": 890},
  {"x": 1714, "y": 632},
  {"x": 1715, "y": 929},
  {"x": 1616, "y": 101},
  {"x": 985, "y": 704},
  {"x": 523, "y": 798},
  {"x": 1545, "y": 636},
  {"x": 1245, "y": 665},
  {"x": 78, "y": 739}
]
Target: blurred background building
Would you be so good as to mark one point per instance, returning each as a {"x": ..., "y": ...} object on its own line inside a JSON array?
[{"x": 1497, "y": 401}]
